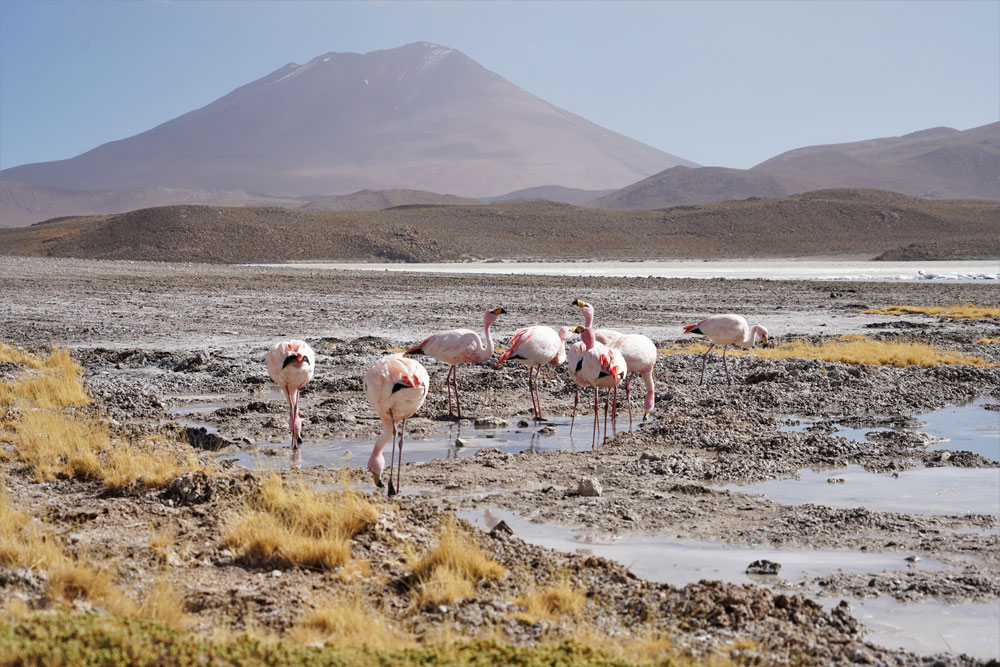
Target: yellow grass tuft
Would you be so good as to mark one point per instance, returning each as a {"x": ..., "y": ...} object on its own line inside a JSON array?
[
  {"x": 26, "y": 542},
  {"x": 545, "y": 603},
  {"x": 165, "y": 604},
  {"x": 348, "y": 624},
  {"x": 851, "y": 349},
  {"x": 959, "y": 311},
  {"x": 150, "y": 463},
  {"x": 297, "y": 525},
  {"x": 453, "y": 567},
  {"x": 988, "y": 341},
  {"x": 52, "y": 382},
  {"x": 54, "y": 444}
]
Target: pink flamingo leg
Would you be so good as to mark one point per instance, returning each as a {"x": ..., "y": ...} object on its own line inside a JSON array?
[
  {"x": 576, "y": 399},
  {"x": 402, "y": 427},
  {"x": 597, "y": 411},
  {"x": 392, "y": 461},
  {"x": 454, "y": 378},
  {"x": 628, "y": 399},
  {"x": 729, "y": 380}
]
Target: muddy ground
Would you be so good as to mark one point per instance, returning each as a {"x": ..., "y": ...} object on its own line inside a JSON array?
[{"x": 154, "y": 337}]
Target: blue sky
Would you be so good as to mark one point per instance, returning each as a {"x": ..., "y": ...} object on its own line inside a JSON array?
[{"x": 720, "y": 83}]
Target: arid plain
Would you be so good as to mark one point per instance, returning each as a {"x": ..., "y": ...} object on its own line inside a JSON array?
[{"x": 171, "y": 356}]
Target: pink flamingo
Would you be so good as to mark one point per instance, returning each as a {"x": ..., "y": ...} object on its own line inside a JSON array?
[
  {"x": 396, "y": 388},
  {"x": 602, "y": 366},
  {"x": 726, "y": 330},
  {"x": 574, "y": 362},
  {"x": 290, "y": 364},
  {"x": 458, "y": 346},
  {"x": 640, "y": 358},
  {"x": 535, "y": 346}
]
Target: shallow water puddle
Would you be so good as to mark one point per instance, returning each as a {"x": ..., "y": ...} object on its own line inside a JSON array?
[
  {"x": 920, "y": 490},
  {"x": 969, "y": 427},
  {"x": 681, "y": 562},
  {"x": 928, "y": 627},
  {"x": 546, "y": 436}
]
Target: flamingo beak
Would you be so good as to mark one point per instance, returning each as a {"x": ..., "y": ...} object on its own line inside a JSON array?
[
  {"x": 577, "y": 302},
  {"x": 499, "y": 311},
  {"x": 377, "y": 479},
  {"x": 645, "y": 418},
  {"x": 763, "y": 342}
]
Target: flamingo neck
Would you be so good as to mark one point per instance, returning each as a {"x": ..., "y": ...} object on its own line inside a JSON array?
[
  {"x": 376, "y": 462},
  {"x": 487, "y": 350},
  {"x": 587, "y": 336}
]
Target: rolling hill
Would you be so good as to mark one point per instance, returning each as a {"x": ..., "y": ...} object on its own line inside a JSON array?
[{"x": 860, "y": 223}]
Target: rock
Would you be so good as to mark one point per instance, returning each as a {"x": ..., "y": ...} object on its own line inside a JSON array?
[
  {"x": 201, "y": 438},
  {"x": 501, "y": 530},
  {"x": 835, "y": 480},
  {"x": 547, "y": 430},
  {"x": 459, "y": 442},
  {"x": 491, "y": 422},
  {"x": 191, "y": 489},
  {"x": 763, "y": 567},
  {"x": 589, "y": 486}
]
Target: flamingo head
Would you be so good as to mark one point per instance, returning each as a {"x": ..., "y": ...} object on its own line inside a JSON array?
[
  {"x": 565, "y": 333},
  {"x": 762, "y": 333},
  {"x": 578, "y": 329},
  {"x": 491, "y": 316},
  {"x": 376, "y": 464},
  {"x": 587, "y": 310}
]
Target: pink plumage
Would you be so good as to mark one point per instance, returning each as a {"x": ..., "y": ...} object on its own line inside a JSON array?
[
  {"x": 290, "y": 364},
  {"x": 726, "y": 330}
]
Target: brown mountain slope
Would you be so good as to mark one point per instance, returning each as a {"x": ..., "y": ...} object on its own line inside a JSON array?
[
  {"x": 862, "y": 223},
  {"x": 938, "y": 163},
  {"x": 374, "y": 200},
  {"x": 420, "y": 116}
]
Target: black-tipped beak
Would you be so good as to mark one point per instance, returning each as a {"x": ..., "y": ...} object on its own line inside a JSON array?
[
  {"x": 577, "y": 302},
  {"x": 499, "y": 311},
  {"x": 765, "y": 342},
  {"x": 378, "y": 481},
  {"x": 645, "y": 418}
]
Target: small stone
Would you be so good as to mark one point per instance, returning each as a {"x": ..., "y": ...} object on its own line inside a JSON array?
[
  {"x": 501, "y": 530},
  {"x": 547, "y": 430},
  {"x": 763, "y": 567},
  {"x": 443, "y": 609},
  {"x": 275, "y": 573},
  {"x": 491, "y": 422},
  {"x": 835, "y": 480},
  {"x": 913, "y": 559},
  {"x": 589, "y": 486},
  {"x": 523, "y": 424},
  {"x": 459, "y": 442}
]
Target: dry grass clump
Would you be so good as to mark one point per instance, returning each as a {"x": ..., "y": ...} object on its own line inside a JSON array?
[
  {"x": 851, "y": 349},
  {"x": 544, "y": 603},
  {"x": 961, "y": 311},
  {"x": 53, "y": 383},
  {"x": 348, "y": 624},
  {"x": 25, "y": 542},
  {"x": 297, "y": 525},
  {"x": 453, "y": 567},
  {"x": 54, "y": 441},
  {"x": 988, "y": 341},
  {"x": 165, "y": 604}
]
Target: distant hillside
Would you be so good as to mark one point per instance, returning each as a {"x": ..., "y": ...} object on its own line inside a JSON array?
[
  {"x": 940, "y": 163},
  {"x": 421, "y": 116},
  {"x": 374, "y": 200},
  {"x": 684, "y": 185},
  {"x": 555, "y": 193},
  {"x": 24, "y": 203},
  {"x": 836, "y": 222}
]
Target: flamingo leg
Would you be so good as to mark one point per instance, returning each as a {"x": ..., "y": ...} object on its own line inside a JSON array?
[
  {"x": 538, "y": 398},
  {"x": 628, "y": 399},
  {"x": 454, "y": 379},
  {"x": 392, "y": 462},
  {"x": 607, "y": 400},
  {"x": 576, "y": 399},
  {"x": 447, "y": 384},
  {"x": 402, "y": 428},
  {"x": 729, "y": 380},
  {"x": 614, "y": 412},
  {"x": 597, "y": 410},
  {"x": 704, "y": 358}
]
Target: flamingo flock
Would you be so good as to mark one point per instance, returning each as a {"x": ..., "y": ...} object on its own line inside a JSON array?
[{"x": 397, "y": 385}]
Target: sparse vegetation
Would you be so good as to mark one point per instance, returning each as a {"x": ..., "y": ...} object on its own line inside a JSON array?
[
  {"x": 957, "y": 311},
  {"x": 542, "y": 603},
  {"x": 293, "y": 524},
  {"x": 453, "y": 567},
  {"x": 50, "y": 382},
  {"x": 348, "y": 624},
  {"x": 851, "y": 349}
]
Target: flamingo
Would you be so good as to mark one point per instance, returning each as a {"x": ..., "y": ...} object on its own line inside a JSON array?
[
  {"x": 290, "y": 364},
  {"x": 640, "y": 358},
  {"x": 458, "y": 346},
  {"x": 535, "y": 346},
  {"x": 396, "y": 388},
  {"x": 726, "y": 330},
  {"x": 601, "y": 366},
  {"x": 574, "y": 361}
]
